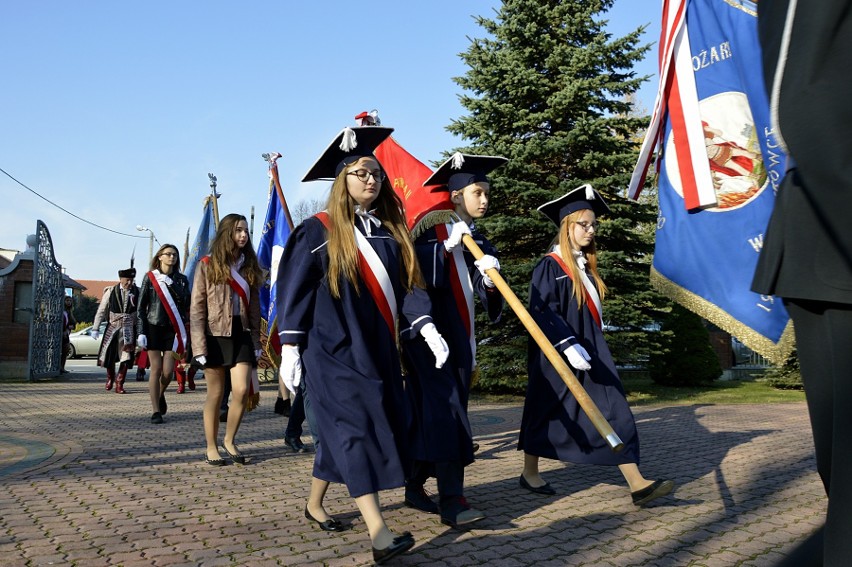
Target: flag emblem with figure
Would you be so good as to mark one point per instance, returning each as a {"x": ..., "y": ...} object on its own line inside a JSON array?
[
  {"x": 719, "y": 169},
  {"x": 276, "y": 229}
]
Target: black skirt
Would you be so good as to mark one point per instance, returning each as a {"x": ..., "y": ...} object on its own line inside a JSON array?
[
  {"x": 161, "y": 337},
  {"x": 229, "y": 351}
]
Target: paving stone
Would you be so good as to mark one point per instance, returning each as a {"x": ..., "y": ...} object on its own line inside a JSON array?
[{"x": 747, "y": 490}]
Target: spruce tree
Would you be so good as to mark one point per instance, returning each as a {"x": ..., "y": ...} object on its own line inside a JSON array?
[{"x": 550, "y": 89}]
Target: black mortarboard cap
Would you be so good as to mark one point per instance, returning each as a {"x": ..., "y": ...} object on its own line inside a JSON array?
[
  {"x": 463, "y": 169},
  {"x": 348, "y": 146},
  {"x": 583, "y": 197}
]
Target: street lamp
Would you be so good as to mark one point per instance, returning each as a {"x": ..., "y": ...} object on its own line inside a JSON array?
[{"x": 141, "y": 228}]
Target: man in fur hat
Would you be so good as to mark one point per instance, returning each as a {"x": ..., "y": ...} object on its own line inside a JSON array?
[{"x": 118, "y": 306}]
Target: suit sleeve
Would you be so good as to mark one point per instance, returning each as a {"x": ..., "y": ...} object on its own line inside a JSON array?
[{"x": 300, "y": 270}]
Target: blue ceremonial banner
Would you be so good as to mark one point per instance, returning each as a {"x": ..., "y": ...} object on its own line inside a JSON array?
[
  {"x": 706, "y": 254},
  {"x": 276, "y": 230},
  {"x": 201, "y": 246}
]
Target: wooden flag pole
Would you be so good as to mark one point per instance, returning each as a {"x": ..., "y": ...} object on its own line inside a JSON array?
[
  {"x": 579, "y": 393},
  {"x": 185, "y": 251}
]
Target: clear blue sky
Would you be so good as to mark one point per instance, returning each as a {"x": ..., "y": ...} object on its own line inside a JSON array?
[{"x": 117, "y": 111}]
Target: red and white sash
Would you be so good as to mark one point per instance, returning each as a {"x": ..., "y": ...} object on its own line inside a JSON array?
[
  {"x": 594, "y": 300},
  {"x": 179, "y": 345},
  {"x": 240, "y": 286},
  {"x": 461, "y": 285},
  {"x": 677, "y": 96},
  {"x": 374, "y": 274}
]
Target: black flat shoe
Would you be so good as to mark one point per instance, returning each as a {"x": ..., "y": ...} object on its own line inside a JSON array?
[
  {"x": 331, "y": 525},
  {"x": 215, "y": 462},
  {"x": 545, "y": 488},
  {"x": 400, "y": 544},
  {"x": 157, "y": 417},
  {"x": 237, "y": 457},
  {"x": 657, "y": 489}
]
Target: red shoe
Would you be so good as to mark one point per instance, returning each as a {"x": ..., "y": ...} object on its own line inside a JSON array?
[
  {"x": 180, "y": 389},
  {"x": 109, "y": 383},
  {"x": 119, "y": 389}
]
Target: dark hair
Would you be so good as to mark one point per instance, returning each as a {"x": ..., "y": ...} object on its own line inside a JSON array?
[
  {"x": 155, "y": 261},
  {"x": 224, "y": 252}
]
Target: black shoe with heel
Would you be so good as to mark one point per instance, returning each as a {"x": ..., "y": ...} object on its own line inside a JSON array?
[{"x": 330, "y": 525}]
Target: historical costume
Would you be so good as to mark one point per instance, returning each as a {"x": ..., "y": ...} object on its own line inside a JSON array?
[{"x": 118, "y": 306}]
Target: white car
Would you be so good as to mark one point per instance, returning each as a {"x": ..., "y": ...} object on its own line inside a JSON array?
[{"x": 82, "y": 343}]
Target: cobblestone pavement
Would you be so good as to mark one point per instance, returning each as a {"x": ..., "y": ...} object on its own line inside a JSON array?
[{"x": 88, "y": 480}]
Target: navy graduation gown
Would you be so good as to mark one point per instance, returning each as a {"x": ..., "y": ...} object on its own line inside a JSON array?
[
  {"x": 439, "y": 396},
  {"x": 553, "y": 424},
  {"x": 350, "y": 360}
]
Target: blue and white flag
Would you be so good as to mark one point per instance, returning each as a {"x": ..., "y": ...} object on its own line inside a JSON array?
[
  {"x": 276, "y": 230},
  {"x": 203, "y": 238},
  {"x": 719, "y": 170}
]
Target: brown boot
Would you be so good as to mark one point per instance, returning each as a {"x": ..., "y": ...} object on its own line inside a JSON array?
[
  {"x": 119, "y": 380},
  {"x": 110, "y": 377}
]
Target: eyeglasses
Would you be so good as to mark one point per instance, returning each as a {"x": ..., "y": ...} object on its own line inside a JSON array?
[
  {"x": 169, "y": 254},
  {"x": 364, "y": 175},
  {"x": 588, "y": 226}
]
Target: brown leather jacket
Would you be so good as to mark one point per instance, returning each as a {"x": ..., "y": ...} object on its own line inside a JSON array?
[{"x": 211, "y": 312}]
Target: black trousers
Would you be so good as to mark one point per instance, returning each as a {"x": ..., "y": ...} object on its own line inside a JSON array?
[
  {"x": 824, "y": 344},
  {"x": 449, "y": 474}
]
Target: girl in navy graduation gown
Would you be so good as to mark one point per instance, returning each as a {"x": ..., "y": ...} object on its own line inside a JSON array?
[
  {"x": 565, "y": 297},
  {"x": 349, "y": 271},
  {"x": 441, "y": 441}
]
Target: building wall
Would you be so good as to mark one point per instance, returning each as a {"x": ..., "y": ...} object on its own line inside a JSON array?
[{"x": 16, "y": 336}]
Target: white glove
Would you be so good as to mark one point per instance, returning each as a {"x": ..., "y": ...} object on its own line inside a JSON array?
[
  {"x": 486, "y": 263},
  {"x": 95, "y": 335},
  {"x": 578, "y": 357},
  {"x": 142, "y": 341},
  {"x": 436, "y": 343},
  {"x": 257, "y": 354},
  {"x": 202, "y": 360},
  {"x": 454, "y": 239},
  {"x": 290, "y": 371}
]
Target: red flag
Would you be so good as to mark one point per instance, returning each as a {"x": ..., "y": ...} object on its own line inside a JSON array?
[{"x": 407, "y": 174}]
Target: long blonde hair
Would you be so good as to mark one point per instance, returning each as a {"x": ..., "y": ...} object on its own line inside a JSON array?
[
  {"x": 224, "y": 252},
  {"x": 566, "y": 245},
  {"x": 342, "y": 250}
]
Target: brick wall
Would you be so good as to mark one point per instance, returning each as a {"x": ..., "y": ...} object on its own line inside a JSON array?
[
  {"x": 721, "y": 343},
  {"x": 15, "y": 336}
]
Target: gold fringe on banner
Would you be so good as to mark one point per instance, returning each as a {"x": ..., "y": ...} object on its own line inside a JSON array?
[
  {"x": 776, "y": 353},
  {"x": 432, "y": 219}
]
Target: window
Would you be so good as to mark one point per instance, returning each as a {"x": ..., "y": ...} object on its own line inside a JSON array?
[{"x": 23, "y": 302}]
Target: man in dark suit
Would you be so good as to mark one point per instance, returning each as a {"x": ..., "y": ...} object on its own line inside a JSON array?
[{"x": 807, "y": 252}]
